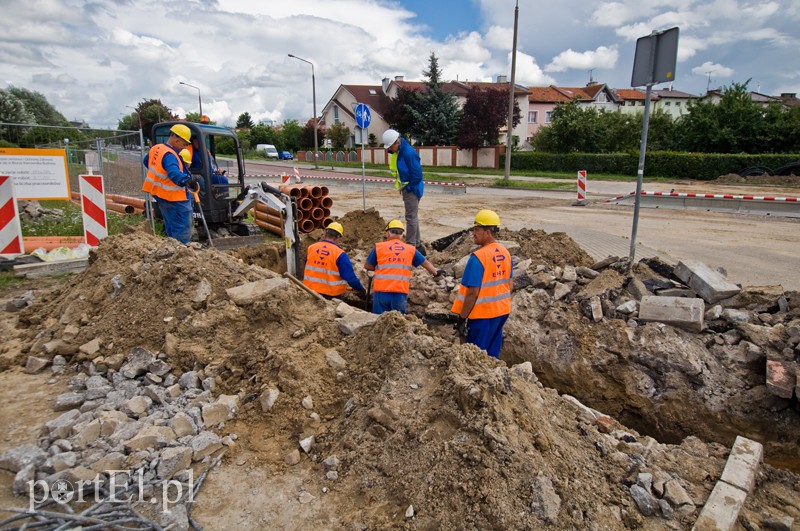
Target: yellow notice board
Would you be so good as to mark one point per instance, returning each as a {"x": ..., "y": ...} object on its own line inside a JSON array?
[{"x": 37, "y": 173}]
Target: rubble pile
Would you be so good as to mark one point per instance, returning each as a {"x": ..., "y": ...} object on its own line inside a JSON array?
[{"x": 344, "y": 418}]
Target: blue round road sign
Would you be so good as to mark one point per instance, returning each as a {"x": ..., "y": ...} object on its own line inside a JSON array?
[{"x": 363, "y": 116}]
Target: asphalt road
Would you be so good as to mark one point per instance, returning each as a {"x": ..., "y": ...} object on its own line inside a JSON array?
[{"x": 751, "y": 249}]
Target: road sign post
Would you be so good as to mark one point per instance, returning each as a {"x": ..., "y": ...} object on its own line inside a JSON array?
[
  {"x": 656, "y": 56},
  {"x": 363, "y": 118}
]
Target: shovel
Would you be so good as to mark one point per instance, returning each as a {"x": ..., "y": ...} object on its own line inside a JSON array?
[{"x": 195, "y": 193}]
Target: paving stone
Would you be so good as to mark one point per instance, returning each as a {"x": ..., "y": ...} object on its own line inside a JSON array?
[
  {"x": 675, "y": 311},
  {"x": 69, "y": 401},
  {"x": 706, "y": 282},
  {"x": 19, "y": 457},
  {"x": 743, "y": 463},
  {"x": 350, "y": 324},
  {"x": 173, "y": 460},
  {"x": 781, "y": 378},
  {"x": 721, "y": 510},
  {"x": 204, "y": 444},
  {"x": 251, "y": 292}
]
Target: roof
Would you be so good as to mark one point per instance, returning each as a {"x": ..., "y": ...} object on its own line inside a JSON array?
[
  {"x": 667, "y": 93},
  {"x": 553, "y": 94},
  {"x": 633, "y": 94},
  {"x": 451, "y": 87},
  {"x": 372, "y": 95},
  {"x": 547, "y": 95}
]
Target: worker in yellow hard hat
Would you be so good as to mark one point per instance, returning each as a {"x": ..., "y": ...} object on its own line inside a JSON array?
[
  {"x": 167, "y": 175},
  {"x": 393, "y": 261},
  {"x": 483, "y": 302},
  {"x": 328, "y": 269}
]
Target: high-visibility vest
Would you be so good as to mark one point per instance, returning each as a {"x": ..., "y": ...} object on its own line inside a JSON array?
[
  {"x": 321, "y": 273},
  {"x": 494, "y": 297},
  {"x": 157, "y": 183},
  {"x": 393, "y": 272},
  {"x": 398, "y": 184}
]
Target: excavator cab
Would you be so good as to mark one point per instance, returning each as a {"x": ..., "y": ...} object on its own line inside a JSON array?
[{"x": 221, "y": 177}]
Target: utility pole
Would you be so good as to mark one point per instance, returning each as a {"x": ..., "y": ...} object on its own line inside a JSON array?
[{"x": 510, "y": 124}]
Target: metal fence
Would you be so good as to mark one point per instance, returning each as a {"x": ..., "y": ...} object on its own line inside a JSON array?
[{"x": 116, "y": 155}]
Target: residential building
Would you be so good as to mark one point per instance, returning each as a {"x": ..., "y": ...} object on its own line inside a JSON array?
[
  {"x": 715, "y": 96},
  {"x": 543, "y": 100},
  {"x": 673, "y": 102},
  {"x": 631, "y": 101},
  {"x": 341, "y": 109}
]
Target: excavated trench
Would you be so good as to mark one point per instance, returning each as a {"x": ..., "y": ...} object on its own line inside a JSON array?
[{"x": 661, "y": 381}]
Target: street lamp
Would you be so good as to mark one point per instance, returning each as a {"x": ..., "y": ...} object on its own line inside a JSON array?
[
  {"x": 314, "y": 103},
  {"x": 200, "y": 101}
]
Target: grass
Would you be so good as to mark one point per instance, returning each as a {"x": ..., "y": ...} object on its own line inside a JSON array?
[
  {"x": 7, "y": 279},
  {"x": 534, "y": 185},
  {"x": 70, "y": 223}
]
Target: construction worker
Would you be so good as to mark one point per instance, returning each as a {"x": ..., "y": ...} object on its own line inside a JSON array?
[
  {"x": 405, "y": 165},
  {"x": 484, "y": 296},
  {"x": 166, "y": 177},
  {"x": 328, "y": 269},
  {"x": 393, "y": 260}
]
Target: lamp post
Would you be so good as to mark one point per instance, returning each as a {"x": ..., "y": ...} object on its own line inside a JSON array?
[
  {"x": 199, "y": 100},
  {"x": 314, "y": 104}
]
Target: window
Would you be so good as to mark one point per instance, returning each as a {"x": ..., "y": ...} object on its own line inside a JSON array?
[
  {"x": 372, "y": 92},
  {"x": 335, "y": 114},
  {"x": 547, "y": 116},
  {"x": 533, "y": 117},
  {"x": 677, "y": 104},
  {"x": 667, "y": 103},
  {"x": 631, "y": 103}
]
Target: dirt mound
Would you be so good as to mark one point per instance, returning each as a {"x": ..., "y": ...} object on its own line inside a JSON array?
[
  {"x": 362, "y": 229},
  {"x": 774, "y": 180}
]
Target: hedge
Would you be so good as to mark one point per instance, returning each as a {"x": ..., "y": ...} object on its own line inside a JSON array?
[{"x": 680, "y": 165}]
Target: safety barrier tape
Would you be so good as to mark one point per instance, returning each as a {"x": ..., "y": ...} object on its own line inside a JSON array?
[
  {"x": 711, "y": 196},
  {"x": 358, "y": 179}
]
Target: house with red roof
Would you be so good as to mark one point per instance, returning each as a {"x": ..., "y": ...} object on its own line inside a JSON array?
[{"x": 543, "y": 100}]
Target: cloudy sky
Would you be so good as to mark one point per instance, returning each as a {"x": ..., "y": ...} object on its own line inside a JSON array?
[{"x": 92, "y": 58}]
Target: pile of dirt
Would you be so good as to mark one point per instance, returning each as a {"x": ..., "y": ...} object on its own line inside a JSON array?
[
  {"x": 401, "y": 424},
  {"x": 763, "y": 179}
]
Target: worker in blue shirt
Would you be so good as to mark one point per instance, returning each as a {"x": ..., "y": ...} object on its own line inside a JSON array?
[
  {"x": 328, "y": 269},
  {"x": 405, "y": 164}
]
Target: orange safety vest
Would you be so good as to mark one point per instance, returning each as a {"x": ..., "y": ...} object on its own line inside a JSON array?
[
  {"x": 157, "y": 183},
  {"x": 494, "y": 297},
  {"x": 321, "y": 273},
  {"x": 393, "y": 272}
]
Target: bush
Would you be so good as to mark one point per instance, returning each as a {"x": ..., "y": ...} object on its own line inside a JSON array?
[{"x": 678, "y": 165}]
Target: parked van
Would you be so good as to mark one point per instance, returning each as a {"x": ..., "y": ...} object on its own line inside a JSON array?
[{"x": 268, "y": 149}]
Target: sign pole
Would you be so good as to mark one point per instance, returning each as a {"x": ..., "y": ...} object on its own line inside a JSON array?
[{"x": 363, "y": 118}]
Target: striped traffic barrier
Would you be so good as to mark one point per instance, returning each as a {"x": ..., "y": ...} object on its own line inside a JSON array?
[
  {"x": 581, "y": 189},
  {"x": 93, "y": 204},
  {"x": 710, "y": 196},
  {"x": 10, "y": 228}
]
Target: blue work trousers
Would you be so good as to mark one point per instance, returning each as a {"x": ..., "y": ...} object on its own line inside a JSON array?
[
  {"x": 383, "y": 301},
  {"x": 487, "y": 334},
  {"x": 177, "y": 218}
]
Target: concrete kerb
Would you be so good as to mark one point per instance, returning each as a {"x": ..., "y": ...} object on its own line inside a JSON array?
[
  {"x": 721, "y": 510},
  {"x": 737, "y": 204}
]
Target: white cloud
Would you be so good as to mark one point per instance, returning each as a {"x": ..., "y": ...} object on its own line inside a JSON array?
[
  {"x": 528, "y": 72},
  {"x": 500, "y": 38},
  {"x": 714, "y": 69},
  {"x": 602, "y": 57}
]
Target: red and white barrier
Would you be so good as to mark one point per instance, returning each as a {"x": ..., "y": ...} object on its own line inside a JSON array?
[
  {"x": 357, "y": 179},
  {"x": 10, "y": 228},
  {"x": 711, "y": 196},
  {"x": 93, "y": 203},
  {"x": 581, "y": 189}
]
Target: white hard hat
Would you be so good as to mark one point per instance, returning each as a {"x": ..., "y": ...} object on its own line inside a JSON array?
[{"x": 390, "y": 136}]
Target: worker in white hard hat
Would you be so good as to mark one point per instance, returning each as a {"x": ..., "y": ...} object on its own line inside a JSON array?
[
  {"x": 328, "y": 268},
  {"x": 167, "y": 177},
  {"x": 404, "y": 163},
  {"x": 483, "y": 302},
  {"x": 393, "y": 261}
]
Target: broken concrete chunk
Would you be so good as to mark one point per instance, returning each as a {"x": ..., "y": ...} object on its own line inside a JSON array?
[
  {"x": 254, "y": 291},
  {"x": 560, "y": 291},
  {"x": 307, "y": 443},
  {"x": 335, "y": 360},
  {"x": 706, "y": 282},
  {"x": 173, "y": 460},
  {"x": 350, "y": 324},
  {"x": 18, "y": 458},
  {"x": 646, "y": 502},
  {"x": 35, "y": 364},
  {"x": 546, "y": 502},
  {"x": 637, "y": 289},
  {"x": 676, "y": 311},
  {"x": 23, "y": 479},
  {"x": 781, "y": 378},
  {"x": 68, "y": 401},
  {"x": 91, "y": 348},
  {"x": 204, "y": 444},
  {"x": 268, "y": 398},
  {"x": 597, "y": 309},
  {"x": 292, "y": 458}
]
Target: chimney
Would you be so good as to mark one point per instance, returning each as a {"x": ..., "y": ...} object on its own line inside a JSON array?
[
  {"x": 502, "y": 79},
  {"x": 398, "y": 78},
  {"x": 385, "y": 84}
]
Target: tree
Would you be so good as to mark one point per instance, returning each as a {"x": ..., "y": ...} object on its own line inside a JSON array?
[
  {"x": 339, "y": 135},
  {"x": 485, "y": 112},
  {"x": 264, "y": 134},
  {"x": 372, "y": 140},
  {"x": 436, "y": 114},
  {"x": 35, "y": 103},
  {"x": 398, "y": 113},
  {"x": 152, "y": 112},
  {"x": 292, "y": 135},
  {"x": 308, "y": 135},
  {"x": 244, "y": 121},
  {"x": 12, "y": 110}
]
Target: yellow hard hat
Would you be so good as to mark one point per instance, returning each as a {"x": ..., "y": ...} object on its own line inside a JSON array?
[
  {"x": 186, "y": 156},
  {"x": 182, "y": 131},
  {"x": 336, "y": 227},
  {"x": 395, "y": 224},
  {"x": 487, "y": 218}
]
